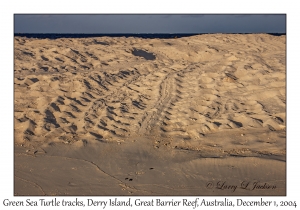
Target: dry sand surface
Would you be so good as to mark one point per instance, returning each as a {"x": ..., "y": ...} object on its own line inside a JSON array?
[{"x": 196, "y": 115}]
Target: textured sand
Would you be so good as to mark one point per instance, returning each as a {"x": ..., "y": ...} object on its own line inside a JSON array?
[{"x": 93, "y": 118}]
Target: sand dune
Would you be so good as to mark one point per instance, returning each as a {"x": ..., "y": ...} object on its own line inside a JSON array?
[{"x": 206, "y": 96}]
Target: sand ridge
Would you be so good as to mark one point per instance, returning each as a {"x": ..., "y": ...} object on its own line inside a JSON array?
[
  {"x": 216, "y": 95},
  {"x": 67, "y": 94}
]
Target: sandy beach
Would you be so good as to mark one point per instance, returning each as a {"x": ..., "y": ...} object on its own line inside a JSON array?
[{"x": 198, "y": 115}]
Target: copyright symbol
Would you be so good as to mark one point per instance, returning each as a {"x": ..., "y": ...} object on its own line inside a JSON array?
[{"x": 209, "y": 185}]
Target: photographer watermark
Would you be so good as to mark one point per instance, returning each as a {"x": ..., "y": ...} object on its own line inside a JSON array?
[{"x": 244, "y": 185}]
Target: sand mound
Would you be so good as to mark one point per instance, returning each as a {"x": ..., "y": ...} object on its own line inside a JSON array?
[{"x": 216, "y": 95}]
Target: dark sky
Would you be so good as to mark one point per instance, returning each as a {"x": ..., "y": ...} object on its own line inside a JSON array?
[{"x": 150, "y": 23}]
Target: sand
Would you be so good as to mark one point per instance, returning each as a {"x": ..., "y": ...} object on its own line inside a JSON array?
[{"x": 199, "y": 115}]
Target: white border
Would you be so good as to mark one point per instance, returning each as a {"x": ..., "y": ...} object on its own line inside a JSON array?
[{"x": 154, "y": 6}]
